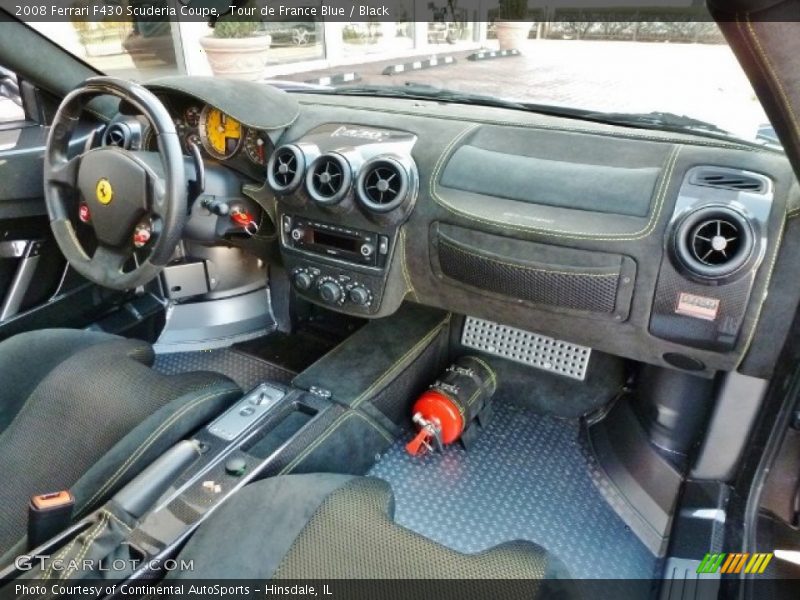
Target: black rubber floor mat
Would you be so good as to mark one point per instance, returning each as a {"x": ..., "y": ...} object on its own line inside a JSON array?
[
  {"x": 247, "y": 371},
  {"x": 526, "y": 478}
]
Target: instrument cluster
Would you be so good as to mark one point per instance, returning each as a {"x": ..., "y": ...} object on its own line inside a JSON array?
[{"x": 218, "y": 135}]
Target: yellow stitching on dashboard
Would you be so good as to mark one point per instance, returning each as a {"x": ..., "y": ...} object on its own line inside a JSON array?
[
  {"x": 656, "y": 213},
  {"x": 404, "y": 265},
  {"x": 455, "y": 246}
]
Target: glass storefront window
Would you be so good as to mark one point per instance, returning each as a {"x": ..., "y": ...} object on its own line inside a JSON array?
[
  {"x": 294, "y": 41},
  {"x": 135, "y": 50}
]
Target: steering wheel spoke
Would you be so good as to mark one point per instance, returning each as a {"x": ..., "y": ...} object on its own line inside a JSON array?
[
  {"x": 159, "y": 200},
  {"x": 108, "y": 259},
  {"x": 64, "y": 172}
]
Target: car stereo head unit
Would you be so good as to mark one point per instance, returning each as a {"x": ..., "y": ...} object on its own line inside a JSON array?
[{"x": 343, "y": 243}]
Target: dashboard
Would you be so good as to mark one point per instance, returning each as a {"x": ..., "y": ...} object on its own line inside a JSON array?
[{"x": 666, "y": 248}]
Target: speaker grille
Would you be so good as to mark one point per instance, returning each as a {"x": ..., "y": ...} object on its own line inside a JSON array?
[{"x": 595, "y": 292}]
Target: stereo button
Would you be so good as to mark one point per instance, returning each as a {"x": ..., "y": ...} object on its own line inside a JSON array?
[{"x": 367, "y": 250}]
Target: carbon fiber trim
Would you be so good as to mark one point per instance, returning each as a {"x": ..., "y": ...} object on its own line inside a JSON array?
[{"x": 718, "y": 333}]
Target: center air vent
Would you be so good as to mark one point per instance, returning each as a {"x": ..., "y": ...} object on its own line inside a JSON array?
[
  {"x": 285, "y": 169},
  {"x": 328, "y": 179},
  {"x": 714, "y": 242},
  {"x": 119, "y": 135},
  {"x": 382, "y": 184},
  {"x": 729, "y": 179}
]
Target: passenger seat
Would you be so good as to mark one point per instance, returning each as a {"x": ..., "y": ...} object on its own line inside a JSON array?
[{"x": 325, "y": 526}]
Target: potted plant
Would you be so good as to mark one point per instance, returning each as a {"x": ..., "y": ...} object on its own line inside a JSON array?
[
  {"x": 237, "y": 49},
  {"x": 511, "y": 26}
]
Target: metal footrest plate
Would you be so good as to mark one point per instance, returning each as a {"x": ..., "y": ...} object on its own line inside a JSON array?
[{"x": 542, "y": 352}]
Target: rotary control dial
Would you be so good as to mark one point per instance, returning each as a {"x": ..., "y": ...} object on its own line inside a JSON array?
[
  {"x": 359, "y": 295},
  {"x": 330, "y": 291}
]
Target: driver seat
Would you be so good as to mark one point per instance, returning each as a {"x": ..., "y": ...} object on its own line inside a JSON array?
[{"x": 83, "y": 411}]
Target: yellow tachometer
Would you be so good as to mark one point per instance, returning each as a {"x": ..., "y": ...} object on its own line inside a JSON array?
[{"x": 220, "y": 134}]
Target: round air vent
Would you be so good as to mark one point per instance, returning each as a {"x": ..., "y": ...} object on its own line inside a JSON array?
[
  {"x": 714, "y": 242},
  {"x": 119, "y": 135},
  {"x": 382, "y": 184},
  {"x": 328, "y": 179},
  {"x": 285, "y": 169}
]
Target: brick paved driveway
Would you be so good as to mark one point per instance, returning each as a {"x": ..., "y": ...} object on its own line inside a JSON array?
[{"x": 702, "y": 81}]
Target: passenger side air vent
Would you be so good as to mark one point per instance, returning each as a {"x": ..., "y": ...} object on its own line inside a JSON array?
[
  {"x": 714, "y": 242},
  {"x": 729, "y": 179},
  {"x": 328, "y": 179},
  {"x": 119, "y": 135},
  {"x": 285, "y": 169},
  {"x": 382, "y": 184}
]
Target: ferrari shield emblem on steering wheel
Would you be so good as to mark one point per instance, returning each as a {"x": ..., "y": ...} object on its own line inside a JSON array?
[{"x": 104, "y": 191}]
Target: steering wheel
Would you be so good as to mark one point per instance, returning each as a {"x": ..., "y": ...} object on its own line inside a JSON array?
[{"x": 131, "y": 199}]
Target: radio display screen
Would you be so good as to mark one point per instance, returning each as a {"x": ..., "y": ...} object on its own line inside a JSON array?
[{"x": 340, "y": 242}]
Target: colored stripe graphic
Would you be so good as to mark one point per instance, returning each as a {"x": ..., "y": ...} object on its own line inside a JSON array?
[{"x": 732, "y": 563}]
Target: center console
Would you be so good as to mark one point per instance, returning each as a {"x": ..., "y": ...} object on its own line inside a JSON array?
[
  {"x": 322, "y": 422},
  {"x": 343, "y": 192}
]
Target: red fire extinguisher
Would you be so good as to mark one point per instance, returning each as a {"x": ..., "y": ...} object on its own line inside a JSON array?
[{"x": 447, "y": 411}]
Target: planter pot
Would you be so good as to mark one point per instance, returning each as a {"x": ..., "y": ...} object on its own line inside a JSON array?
[
  {"x": 512, "y": 35},
  {"x": 237, "y": 58}
]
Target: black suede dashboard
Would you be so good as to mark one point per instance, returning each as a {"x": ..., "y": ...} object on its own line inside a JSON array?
[{"x": 563, "y": 228}]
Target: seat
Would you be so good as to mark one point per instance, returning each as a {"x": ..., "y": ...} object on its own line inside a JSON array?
[
  {"x": 84, "y": 411},
  {"x": 326, "y": 526}
]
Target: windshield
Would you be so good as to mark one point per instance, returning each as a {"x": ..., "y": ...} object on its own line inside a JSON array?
[{"x": 683, "y": 69}]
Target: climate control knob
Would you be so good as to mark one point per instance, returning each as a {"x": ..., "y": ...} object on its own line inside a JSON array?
[
  {"x": 303, "y": 281},
  {"x": 330, "y": 291},
  {"x": 359, "y": 295}
]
